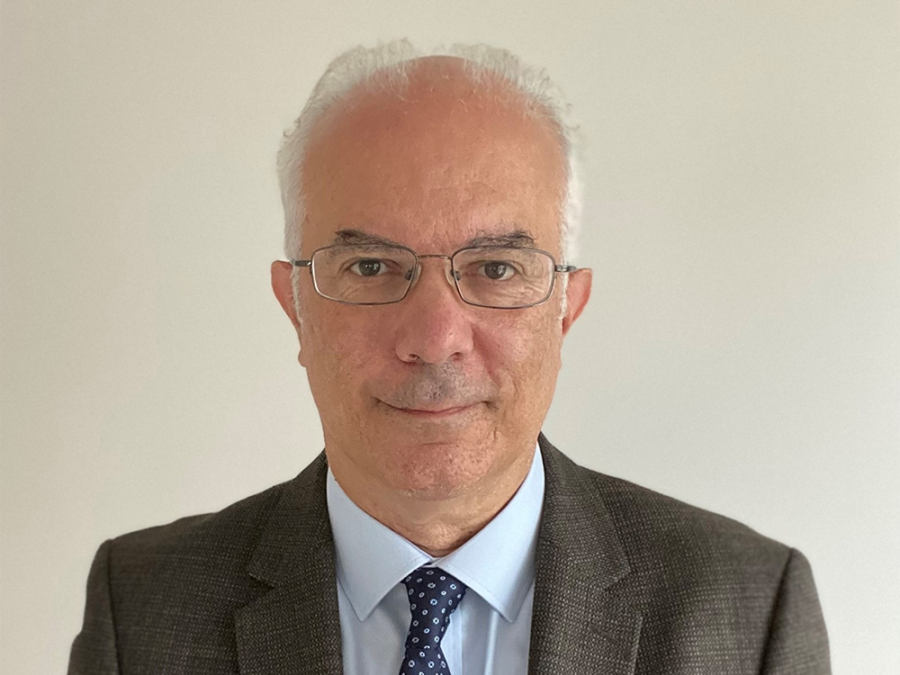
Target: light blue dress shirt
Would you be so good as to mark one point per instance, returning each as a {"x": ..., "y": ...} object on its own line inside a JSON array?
[{"x": 490, "y": 632}]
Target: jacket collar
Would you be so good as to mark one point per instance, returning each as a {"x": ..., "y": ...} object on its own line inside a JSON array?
[{"x": 578, "y": 626}]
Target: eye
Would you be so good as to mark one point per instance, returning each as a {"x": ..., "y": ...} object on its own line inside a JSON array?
[
  {"x": 497, "y": 270},
  {"x": 370, "y": 267}
]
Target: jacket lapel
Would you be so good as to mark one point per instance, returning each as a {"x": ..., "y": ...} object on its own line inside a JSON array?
[
  {"x": 578, "y": 626},
  {"x": 295, "y": 626}
]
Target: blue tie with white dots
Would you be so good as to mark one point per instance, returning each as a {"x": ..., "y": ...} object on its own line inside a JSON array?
[{"x": 433, "y": 595}]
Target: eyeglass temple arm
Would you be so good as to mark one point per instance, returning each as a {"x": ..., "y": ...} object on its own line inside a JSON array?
[{"x": 301, "y": 263}]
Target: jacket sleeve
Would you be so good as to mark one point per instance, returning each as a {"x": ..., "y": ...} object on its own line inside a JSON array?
[
  {"x": 798, "y": 641},
  {"x": 94, "y": 649}
]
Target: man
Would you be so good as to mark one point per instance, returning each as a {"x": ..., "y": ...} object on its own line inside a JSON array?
[{"x": 429, "y": 211}]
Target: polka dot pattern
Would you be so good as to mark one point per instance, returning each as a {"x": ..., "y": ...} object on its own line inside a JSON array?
[{"x": 433, "y": 596}]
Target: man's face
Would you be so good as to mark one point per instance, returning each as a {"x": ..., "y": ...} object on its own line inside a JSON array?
[{"x": 430, "y": 396}]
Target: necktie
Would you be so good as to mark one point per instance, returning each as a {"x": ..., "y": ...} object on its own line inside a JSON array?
[{"x": 433, "y": 595}]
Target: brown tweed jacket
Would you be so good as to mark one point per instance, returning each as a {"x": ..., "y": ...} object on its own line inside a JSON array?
[{"x": 628, "y": 581}]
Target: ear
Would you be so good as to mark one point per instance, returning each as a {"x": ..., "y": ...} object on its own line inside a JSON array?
[
  {"x": 284, "y": 291},
  {"x": 578, "y": 291}
]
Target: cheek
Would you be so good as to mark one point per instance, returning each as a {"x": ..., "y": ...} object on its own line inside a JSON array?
[
  {"x": 522, "y": 353},
  {"x": 339, "y": 350}
]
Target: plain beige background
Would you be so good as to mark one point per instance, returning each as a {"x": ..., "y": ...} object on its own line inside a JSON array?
[{"x": 741, "y": 350}]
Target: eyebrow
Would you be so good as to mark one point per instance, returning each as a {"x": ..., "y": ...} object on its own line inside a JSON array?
[{"x": 516, "y": 238}]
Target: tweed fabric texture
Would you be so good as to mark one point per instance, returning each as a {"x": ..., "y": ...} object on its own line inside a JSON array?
[{"x": 628, "y": 581}]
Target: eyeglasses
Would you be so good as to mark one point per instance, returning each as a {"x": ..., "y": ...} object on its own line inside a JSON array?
[{"x": 500, "y": 277}]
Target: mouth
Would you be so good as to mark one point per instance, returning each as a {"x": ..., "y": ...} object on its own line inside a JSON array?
[{"x": 431, "y": 413}]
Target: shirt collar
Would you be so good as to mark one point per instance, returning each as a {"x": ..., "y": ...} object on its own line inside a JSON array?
[{"x": 497, "y": 563}]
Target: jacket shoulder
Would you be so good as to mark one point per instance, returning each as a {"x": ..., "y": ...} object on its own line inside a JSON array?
[
  {"x": 689, "y": 557},
  {"x": 646, "y": 516},
  {"x": 199, "y": 561},
  {"x": 166, "y": 596},
  {"x": 229, "y": 532},
  {"x": 712, "y": 591}
]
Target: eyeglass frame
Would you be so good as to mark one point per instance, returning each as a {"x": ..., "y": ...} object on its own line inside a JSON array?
[{"x": 557, "y": 269}]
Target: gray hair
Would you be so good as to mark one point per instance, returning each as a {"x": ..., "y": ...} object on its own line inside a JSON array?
[{"x": 391, "y": 63}]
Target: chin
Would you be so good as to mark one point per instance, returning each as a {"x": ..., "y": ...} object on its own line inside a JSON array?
[{"x": 435, "y": 470}]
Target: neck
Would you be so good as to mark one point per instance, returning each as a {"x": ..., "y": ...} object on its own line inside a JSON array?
[{"x": 439, "y": 525}]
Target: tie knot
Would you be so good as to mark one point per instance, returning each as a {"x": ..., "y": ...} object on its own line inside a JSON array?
[
  {"x": 434, "y": 587},
  {"x": 433, "y": 596}
]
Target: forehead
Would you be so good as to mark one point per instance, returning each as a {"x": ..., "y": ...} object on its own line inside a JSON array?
[{"x": 435, "y": 165}]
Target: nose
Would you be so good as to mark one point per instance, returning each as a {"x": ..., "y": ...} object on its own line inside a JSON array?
[{"x": 435, "y": 325}]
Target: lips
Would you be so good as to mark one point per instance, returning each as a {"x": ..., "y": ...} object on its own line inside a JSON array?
[{"x": 429, "y": 412}]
